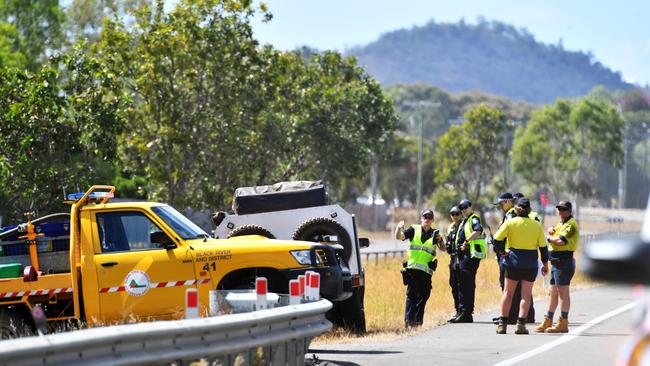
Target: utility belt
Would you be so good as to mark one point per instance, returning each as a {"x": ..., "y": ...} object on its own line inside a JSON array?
[
  {"x": 561, "y": 259},
  {"x": 560, "y": 254}
]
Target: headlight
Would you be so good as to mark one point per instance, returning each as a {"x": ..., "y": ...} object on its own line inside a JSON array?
[{"x": 302, "y": 257}]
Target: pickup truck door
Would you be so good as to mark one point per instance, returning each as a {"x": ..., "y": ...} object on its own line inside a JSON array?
[{"x": 137, "y": 276}]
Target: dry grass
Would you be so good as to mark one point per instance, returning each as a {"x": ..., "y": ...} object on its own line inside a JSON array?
[{"x": 386, "y": 295}]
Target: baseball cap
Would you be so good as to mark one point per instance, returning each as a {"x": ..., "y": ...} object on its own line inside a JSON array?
[
  {"x": 427, "y": 214},
  {"x": 517, "y": 195},
  {"x": 523, "y": 202},
  {"x": 503, "y": 196},
  {"x": 464, "y": 203},
  {"x": 565, "y": 205},
  {"x": 454, "y": 211}
]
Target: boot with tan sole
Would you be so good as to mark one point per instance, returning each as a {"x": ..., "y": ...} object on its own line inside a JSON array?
[
  {"x": 543, "y": 326},
  {"x": 503, "y": 325},
  {"x": 521, "y": 326},
  {"x": 562, "y": 326}
]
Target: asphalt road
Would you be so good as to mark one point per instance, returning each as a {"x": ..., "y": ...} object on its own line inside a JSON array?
[{"x": 600, "y": 321}]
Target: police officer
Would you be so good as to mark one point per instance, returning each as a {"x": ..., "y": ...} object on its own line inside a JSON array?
[
  {"x": 525, "y": 237},
  {"x": 454, "y": 272},
  {"x": 420, "y": 265},
  {"x": 517, "y": 295},
  {"x": 506, "y": 203},
  {"x": 563, "y": 240},
  {"x": 471, "y": 248}
]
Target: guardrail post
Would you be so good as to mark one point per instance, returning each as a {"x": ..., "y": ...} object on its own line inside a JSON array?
[
  {"x": 302, "y": 279},
  {"x": 261, "y": 288},
  {"x": 191, "y": 303},
  {"x": 214, "y": 307},
  {"x": 294, "y": 292},
  {"x": 315, "y": 286},
  {"x": 308, "y": 285}
]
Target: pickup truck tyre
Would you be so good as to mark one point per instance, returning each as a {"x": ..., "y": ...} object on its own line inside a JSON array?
[
  {"x": 350, "y": 313},
  {"x": 251, "y": 230},
  {"x": 315, "y": 228},
  {"x": 13, "y": 324}
]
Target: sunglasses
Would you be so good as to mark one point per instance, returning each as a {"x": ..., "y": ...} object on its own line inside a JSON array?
[
  {"x": 427, "y": 217},
  {"x": 455, "y": 214},
  {"x": 562, "y": 209},
  {"x": 463, "y": 207}
]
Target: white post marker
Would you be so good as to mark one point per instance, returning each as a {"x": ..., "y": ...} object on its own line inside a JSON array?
[
  {"x": 302, "y": 279},
  {"x": 315, "y": 286},
  {"x": 308, "y": 285},
  {"x": 261, "y": 290},
  {"x": 214, "y": 307},
  {"x": 294, "y": 292},
  {"x": 191, "y": 303}
]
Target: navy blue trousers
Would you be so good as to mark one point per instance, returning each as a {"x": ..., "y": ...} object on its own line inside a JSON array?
[
  {"x": 467, "y": 281},
  {"x": 454, "y": 282},
  {"x": 418, "y": 290}
]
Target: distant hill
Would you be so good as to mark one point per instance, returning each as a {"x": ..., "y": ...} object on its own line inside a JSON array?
[{"x": 492, "y": 57}]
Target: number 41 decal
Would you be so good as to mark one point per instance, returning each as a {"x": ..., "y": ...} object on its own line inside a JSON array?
[{"x": 208, "y": 265}]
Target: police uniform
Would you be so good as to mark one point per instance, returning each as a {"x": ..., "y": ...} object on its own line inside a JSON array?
[
  {"x": 510, "y": 214},
  {"x": 468, "y": 267},
  {"x": 418, "y": 271},
  {"x": 454, "y": 270}
]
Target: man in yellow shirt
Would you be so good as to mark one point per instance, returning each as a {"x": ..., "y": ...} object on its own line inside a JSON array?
[{"x": 563, "y": 240}]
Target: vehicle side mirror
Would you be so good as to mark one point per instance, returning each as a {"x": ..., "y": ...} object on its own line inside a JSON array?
[
  {"x": 169, "y": 246},
  {"x": 364, "y": 242},
  {"x": 218, "y": 217},
  {"x": 622, "y": 260}
]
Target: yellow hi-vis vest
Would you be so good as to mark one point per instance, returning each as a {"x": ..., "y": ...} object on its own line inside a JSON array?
[
  {"x": 477, "y": 247},
  {"x": 419, "y": 253}
]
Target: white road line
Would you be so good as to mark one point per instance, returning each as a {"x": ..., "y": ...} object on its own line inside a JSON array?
[{"x": 566, "y": 338}]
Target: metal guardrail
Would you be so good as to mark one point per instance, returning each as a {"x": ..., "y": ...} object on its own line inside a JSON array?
[{"x": 279, "y": 336}]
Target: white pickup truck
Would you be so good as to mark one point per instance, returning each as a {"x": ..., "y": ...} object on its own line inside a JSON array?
[{"x": 299, "y": 211}]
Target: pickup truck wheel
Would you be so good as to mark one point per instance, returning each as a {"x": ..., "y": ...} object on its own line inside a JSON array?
[
  {"x": 251, "y": 230},
  {"x": 315, "y": 228},
  {"x": 13, "y": 325}
]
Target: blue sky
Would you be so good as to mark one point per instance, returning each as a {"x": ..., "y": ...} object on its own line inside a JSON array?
[{"x": 616, "y": 33}]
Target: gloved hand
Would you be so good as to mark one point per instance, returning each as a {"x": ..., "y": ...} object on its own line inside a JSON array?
[{"x": 433, "y": 264}]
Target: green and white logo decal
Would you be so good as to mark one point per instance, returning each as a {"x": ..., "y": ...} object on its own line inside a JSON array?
[{"x": 137, "y": 283}]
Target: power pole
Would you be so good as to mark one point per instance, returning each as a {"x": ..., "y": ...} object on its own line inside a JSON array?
[{"x": 418, "y": 184}]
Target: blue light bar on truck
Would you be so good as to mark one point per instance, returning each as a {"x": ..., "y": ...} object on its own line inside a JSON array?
[{"x": 92, "y": 195}]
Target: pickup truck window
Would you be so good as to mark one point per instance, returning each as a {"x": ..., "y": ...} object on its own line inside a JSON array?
[
  {"x": 185, "y": 228},
  {"x": 129, "y": 231}
]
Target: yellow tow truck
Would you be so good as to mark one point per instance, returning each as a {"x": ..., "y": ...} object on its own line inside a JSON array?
[{"x": 133, "y": 261}]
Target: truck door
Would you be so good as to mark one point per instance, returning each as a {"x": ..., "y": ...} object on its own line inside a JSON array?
[{"x": 137, "y": 275}]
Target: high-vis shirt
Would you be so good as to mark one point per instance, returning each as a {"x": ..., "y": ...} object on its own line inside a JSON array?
[
  {"x": 525, "y": 236},
  {"x": 569, "y": 234},
  {"x": 420, "y": 252}
]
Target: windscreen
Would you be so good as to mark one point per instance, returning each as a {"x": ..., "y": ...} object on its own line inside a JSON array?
[{"x": 185, "y": 228}]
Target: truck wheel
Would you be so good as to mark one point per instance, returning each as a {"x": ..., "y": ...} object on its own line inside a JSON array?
[
  {"x": 251, "y": 230},
  {"x": 350, "y": 313},
  {"x": 13, "y": 325},
  {"x": 316, "y": 228}
]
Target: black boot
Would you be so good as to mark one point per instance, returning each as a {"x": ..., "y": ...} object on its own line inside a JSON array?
[
  {"x": 453, "y": 317},
  {"x": 464, "y": 317}
]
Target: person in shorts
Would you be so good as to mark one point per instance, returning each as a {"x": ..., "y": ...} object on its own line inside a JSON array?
[
  {"x": 563, "y": 241},
  {"x": 525, "y": 237}
]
